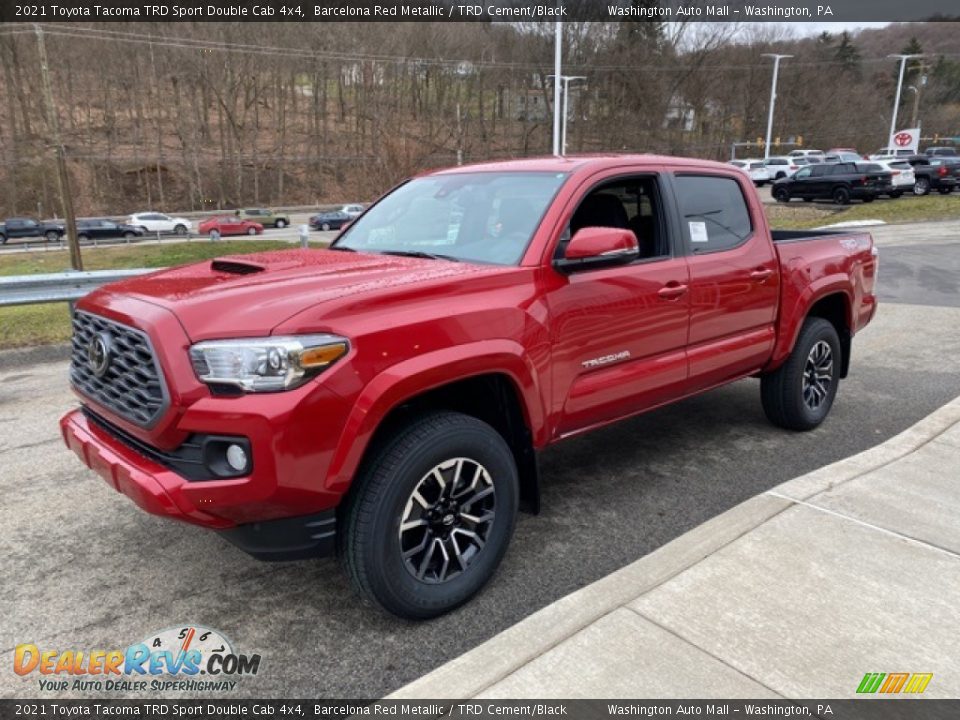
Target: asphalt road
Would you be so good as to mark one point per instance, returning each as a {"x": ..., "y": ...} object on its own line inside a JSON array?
[{"x": 82, "y": 567}]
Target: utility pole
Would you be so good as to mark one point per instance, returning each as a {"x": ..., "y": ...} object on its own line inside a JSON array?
[
  {"x": 65, "y": 196},
  {"x": 557, "y": 66},
  {"x": 773, "y": 99},
  {"x": 896, "y": 101}
]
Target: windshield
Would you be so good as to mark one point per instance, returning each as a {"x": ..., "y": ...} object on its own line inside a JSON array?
[{"x": 482, "y": 217}]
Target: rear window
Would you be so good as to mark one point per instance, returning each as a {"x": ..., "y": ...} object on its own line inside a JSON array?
[
  {"x": 715, "y": 213},
  {"x": 756, "y": 166}
]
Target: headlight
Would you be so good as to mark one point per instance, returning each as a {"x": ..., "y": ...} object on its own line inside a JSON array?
[{"x": 266, "y": 364}]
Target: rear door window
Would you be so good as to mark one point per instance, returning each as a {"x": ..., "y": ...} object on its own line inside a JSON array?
[{"x": 714, "y": 212}]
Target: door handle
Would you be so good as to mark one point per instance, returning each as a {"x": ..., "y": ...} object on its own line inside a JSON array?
[
  {"x": 761, "y": 274},
  {"x": 672, "y": 291}
]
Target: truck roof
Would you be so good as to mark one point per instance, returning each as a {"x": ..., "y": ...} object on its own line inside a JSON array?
[{"x": 577, "y": 163}]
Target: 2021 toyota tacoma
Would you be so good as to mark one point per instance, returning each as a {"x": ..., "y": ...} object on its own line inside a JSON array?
[{"x": 386, "y": 398}]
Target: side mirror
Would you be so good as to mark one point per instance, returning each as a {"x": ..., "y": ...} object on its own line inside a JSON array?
[{"x": 593, "y": 247}]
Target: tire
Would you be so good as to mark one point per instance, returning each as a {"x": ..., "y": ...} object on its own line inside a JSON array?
[
  {"x": 280, "y": 224},
  {"x": 83, "y": 238},
  {"x": 180, "y": 230},
  {"x": 52, "y": 236},
  {"x": 789, "y": 399},
  {"x": 251, "y": 231},
  {"x": 780, "y": 175},
  {"x": 128, "y": 236},
  {"x": 781, "y": 194},
  {"x": 896, "y": 193},
  {"x": 869, "y": 199},
  {"x": 841, "y": 196},
  {"x": 3, "y": 239},
  {"x": 808, "y": 199},
  {"x": 921, "y": 186},
  {"x": 371, "y": 544},
  {"x": 944, "y": 190},
  {"x": 325, "y": 226}
]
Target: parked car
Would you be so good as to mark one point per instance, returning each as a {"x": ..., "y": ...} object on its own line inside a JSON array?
[
  {"x": 929, "y": 176},
  {"x": 154, "y": 222},
  {"x": 946, "y": 169},
  {"x": 333, "y": 220},
  {"x": 267, "y": 218},
  {"x": 30, "y": 228},
  {"x": 840, "y": 182},
  {"x": 352, "y": 209},
  {"x": 230, "y": 225},
  {"x": 756, "y": 169},
  {"x": 439, "y": 354},
  {"x": 806, "y": 154},
  {"x": 104, "y": 229},
  {"x": 844, "y": 156},
  {"x": 941, "y": 152},
  {"x": 783, "y": 166},
  {"x": 902, "y": 176},
  {"x": 890, "y": 154}
]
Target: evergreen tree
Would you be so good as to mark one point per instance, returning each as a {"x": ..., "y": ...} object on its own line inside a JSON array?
[{"x": 847, "y": 53}]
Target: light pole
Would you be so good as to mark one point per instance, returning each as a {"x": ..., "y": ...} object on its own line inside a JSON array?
[
  {"x": 773, "y": 99},
  {"x": 565, "y": 80},
  {"x": 557, "y": 66},
  {"x": 896, "y": 101}
]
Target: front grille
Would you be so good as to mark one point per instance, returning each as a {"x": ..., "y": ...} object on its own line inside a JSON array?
[{"x": 130, "y": 382}]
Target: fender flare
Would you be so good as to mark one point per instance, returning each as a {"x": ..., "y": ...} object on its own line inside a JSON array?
[
  {"x": 410, "y": 378},
  {"x": 837, "y": 284}
]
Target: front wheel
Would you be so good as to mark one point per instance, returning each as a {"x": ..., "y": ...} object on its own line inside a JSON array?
[
  {"x": 180, "y": 230},
  {"x": 781, "y": 194},
  {"x": 799, "y": 394},
  {"x": 3, "y": 239},
  {"x": 251, "y": 231},
  {"x": 52, "y": 236},
  {"x": 280, "y": 224},
  {"x": 128, "y": 236},
  {"x": 431, "y": 516},
  {"x": 325, "y": 226}
]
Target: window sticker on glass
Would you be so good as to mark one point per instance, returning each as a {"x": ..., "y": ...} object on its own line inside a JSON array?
[{"x": 698, "y": 232}]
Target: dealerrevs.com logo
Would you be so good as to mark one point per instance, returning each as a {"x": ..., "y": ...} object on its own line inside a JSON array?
[{"x": 188, "y": 658}]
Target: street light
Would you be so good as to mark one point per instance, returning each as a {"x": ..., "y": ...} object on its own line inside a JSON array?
[
  {"x": 773, "y": 99},
  {"x": 896, "y": 101},
  {"x": 565, "y": 80}
]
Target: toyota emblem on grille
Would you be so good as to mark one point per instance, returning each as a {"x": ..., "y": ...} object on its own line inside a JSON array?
[{"x": 98, "y": 354}]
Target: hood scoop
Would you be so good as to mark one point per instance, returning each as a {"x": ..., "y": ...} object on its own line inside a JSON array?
[{"x": 236, "y": 267}]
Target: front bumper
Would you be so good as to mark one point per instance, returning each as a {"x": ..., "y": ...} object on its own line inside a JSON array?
[{"x": 161, "y": 491}]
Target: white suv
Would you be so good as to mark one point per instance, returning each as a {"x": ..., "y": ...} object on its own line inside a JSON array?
[
  {"x": 154, "y": 222},
  {"x": 806, "y": 154}
]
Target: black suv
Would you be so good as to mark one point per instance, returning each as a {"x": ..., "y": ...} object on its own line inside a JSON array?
[{"x": 840, "y": 182}]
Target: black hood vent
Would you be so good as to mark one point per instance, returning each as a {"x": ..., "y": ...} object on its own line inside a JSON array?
[{"x": 236, "y": 267}]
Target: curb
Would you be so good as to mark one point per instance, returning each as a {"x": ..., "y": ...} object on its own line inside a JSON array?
[
  {"x": 473, "y": 672},
  {"x": 34, "y": 355}
]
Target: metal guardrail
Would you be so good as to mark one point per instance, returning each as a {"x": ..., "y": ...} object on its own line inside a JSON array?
[{"x": 59, "y": 287}]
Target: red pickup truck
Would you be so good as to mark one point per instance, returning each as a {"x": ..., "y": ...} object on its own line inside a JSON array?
[{"x": 385, "y": 399}]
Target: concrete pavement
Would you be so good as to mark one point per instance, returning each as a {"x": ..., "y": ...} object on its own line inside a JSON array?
[{"x": 796, "y": 593}]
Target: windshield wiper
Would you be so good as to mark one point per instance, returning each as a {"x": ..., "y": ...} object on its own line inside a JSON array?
[{"x": 419, "y": 254}]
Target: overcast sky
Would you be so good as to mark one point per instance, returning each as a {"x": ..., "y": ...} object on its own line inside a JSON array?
[{"x": 833, "y": 27}]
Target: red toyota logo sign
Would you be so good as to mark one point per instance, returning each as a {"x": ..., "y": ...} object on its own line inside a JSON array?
[{"x": 903, "y": 138}]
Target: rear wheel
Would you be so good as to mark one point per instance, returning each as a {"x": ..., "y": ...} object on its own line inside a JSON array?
[
  {"x": 781, "y": 194},
  {"x": 896, "y": 193},
  {"x": 129, "y": 235},
  {"x": 52, "y": 236},
  {"x": 325, "y": 226},
  {"x": 944, "y": 190},
  {"x": 180, "y": 230},
  {"x": 799, "y": 394},
  {"x": 251, "y": 231},
  {"x": 3, "y": 239},
  {"x": 431, "y": 516},
  {"x": 869, "y": 199},
  {"x": 280, "y": 224},
  {"x": 841, "y": 196},
  {"x": 921, "y": 186},
  {"x": 83, "y": 238}
]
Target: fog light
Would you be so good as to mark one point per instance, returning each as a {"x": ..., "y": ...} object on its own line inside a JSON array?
[{"x": 237, "y": 458}]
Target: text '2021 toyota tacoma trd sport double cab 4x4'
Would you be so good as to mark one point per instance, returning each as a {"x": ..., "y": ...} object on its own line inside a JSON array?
[{"x": 385, "y": 398}]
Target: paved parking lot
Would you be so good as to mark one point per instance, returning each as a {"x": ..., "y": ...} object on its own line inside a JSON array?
[{"x": 85, "y": 568}]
